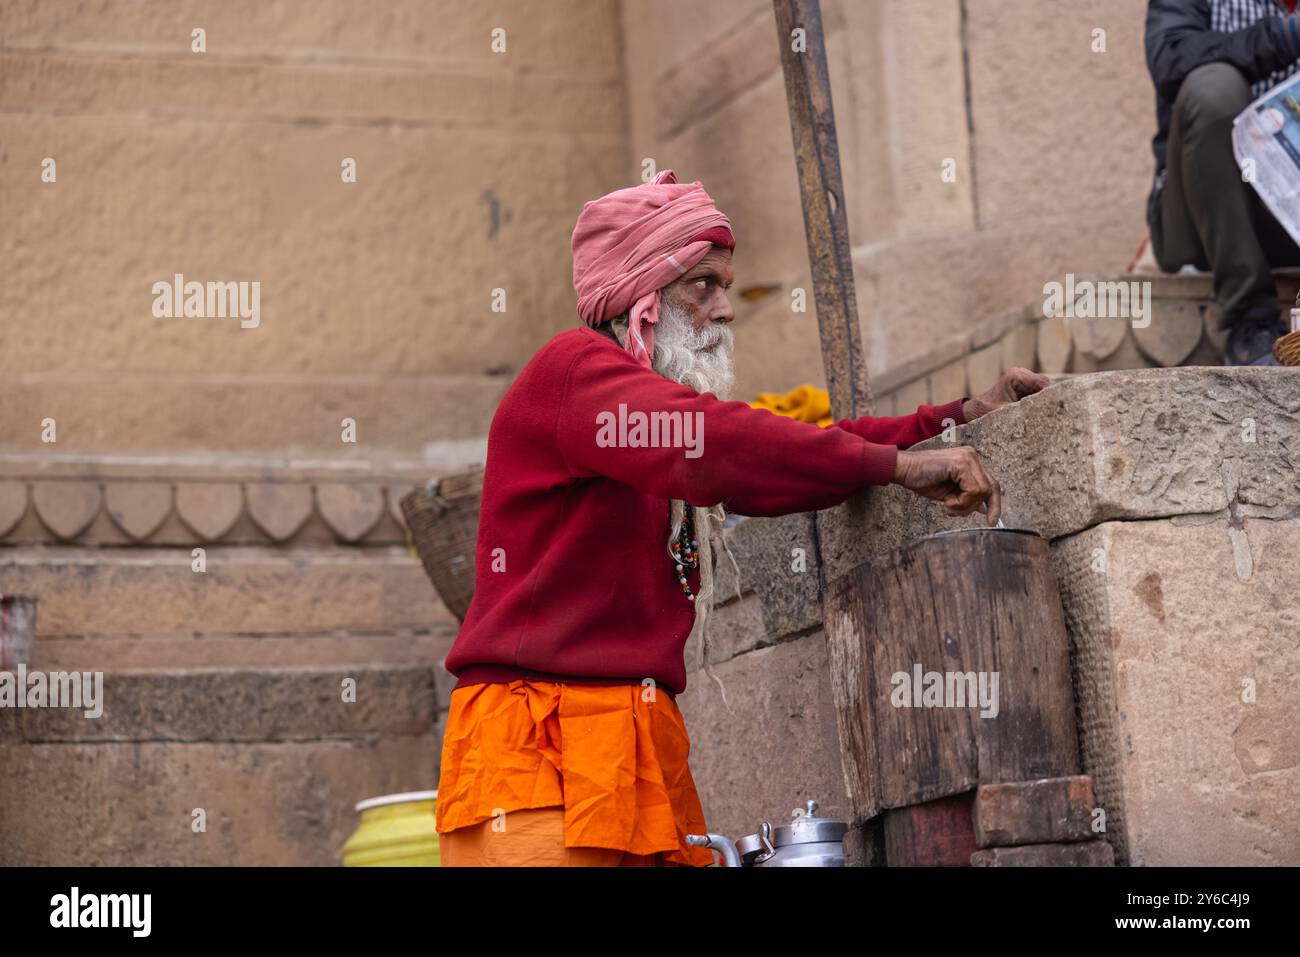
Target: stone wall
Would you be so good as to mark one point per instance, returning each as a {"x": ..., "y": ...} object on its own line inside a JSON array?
[
  {"x": 1050, "y": 142},
  {"x": 227, "y": 605},
  {"x": 226, "y": 165},
  {"x": 253, "y": 765},
  {"x": 127, "y": 441}
]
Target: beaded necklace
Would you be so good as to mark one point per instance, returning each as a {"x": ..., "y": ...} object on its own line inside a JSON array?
[{"x": 686, "y": 551}]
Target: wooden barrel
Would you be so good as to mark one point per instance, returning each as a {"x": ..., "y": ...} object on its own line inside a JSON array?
[{"x": 950, "y": 666}]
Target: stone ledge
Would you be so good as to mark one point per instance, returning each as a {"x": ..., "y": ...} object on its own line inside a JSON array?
[
  {"x": 230, "y": 705},
  {"x": 1101, "y": 451},
  {"x": 1139, "y": 444}
]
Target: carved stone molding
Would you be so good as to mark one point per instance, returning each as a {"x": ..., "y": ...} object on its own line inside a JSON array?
[{"x": 96, "y": 502}]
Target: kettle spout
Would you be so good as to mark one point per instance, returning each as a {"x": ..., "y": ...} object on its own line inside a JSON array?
[{"x": 718, "y": 842}]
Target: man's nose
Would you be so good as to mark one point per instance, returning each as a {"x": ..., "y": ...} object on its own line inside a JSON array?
[{"x": 722, "y": 311}]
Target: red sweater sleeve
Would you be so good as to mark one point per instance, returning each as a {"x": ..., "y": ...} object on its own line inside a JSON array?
[
  {"x": 905, "y": 430},
  {"x": 702, "y": 449}
]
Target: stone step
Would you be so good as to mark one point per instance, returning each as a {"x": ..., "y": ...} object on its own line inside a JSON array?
[
  {"x": 280, "y": 650},
  {"x": 222, "y": 704},
  {"x": 262, "y": 804},
  {"x": 273, "y": 758},
  {"x": 245, "y": 591},
  {"x": 1180, "y": 328}
]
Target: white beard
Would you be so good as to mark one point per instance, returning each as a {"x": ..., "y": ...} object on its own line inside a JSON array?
[{"x": 699, "y": 360}]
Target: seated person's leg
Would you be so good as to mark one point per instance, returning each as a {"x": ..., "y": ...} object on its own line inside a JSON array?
[
  {"x": 1279, "y": 247},
  {"x": 1208, "y": 208}
]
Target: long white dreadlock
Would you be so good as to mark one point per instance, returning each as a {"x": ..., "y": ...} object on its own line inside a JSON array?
[{"x": 708, "y": 521}]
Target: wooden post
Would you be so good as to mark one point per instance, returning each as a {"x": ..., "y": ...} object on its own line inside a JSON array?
[{"x": 821, "y": 189}]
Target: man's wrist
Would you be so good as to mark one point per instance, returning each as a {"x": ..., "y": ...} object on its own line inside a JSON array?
[
  {"x": 939, "y": 417},
  {"x": 973, "y": 408},
  {"x": 900, "y": 466}
]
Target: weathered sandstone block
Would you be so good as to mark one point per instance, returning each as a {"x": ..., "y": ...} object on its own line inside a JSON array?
[{"x": 1186, "y": 644}]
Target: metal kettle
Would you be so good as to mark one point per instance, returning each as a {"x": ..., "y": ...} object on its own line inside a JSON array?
[{"x": 807, "y": 841}]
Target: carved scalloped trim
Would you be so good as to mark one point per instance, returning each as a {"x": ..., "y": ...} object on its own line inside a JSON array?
[
  {"x": 138, "y": 508},
  {"x": 280, "y": 509},
  {"x": 13, "y": 505},
  {"x": 210, "y": 509},
  {"x": 66, "y": 508},
  {"x": 69, "y": 507}
]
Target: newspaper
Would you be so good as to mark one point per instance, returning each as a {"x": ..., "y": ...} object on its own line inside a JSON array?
[{"x": 1266, "y": 142}]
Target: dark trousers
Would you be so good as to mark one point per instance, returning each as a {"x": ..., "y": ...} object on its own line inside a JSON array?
[{"x": 1205, "y": 214}]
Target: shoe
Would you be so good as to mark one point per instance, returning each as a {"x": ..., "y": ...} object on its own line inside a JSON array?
[{"x": 1251, "y": 344}]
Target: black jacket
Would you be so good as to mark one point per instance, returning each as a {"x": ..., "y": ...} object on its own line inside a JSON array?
[{"x": 1179, "y": 39}]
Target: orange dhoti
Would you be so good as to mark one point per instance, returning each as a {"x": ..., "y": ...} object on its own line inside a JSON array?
[{"x": 557, "y": 773}]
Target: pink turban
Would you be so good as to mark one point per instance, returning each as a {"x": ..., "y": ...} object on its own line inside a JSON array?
[{"x": 631, "y": 243}]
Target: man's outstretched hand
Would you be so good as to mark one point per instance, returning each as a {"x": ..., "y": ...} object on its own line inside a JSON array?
[
  {"x": 1015, "y": 384},
  {"x": 955, "y": 477}
]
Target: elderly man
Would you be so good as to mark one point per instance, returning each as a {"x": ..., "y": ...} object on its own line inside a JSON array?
[{"x": 609, "y": 462}]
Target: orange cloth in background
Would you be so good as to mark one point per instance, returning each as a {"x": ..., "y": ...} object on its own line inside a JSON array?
[
  {"x": 806, "y": 403},
  {"x": 616, "y": 764}
]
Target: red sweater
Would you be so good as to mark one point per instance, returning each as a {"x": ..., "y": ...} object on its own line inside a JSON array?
[{"x": 573, "y": 578}]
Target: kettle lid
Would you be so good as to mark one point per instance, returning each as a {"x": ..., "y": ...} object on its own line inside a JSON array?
[{"x": 808, "y": 828}]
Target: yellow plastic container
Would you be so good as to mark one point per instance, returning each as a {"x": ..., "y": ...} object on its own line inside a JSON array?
[{"x": 396, "y": 830}]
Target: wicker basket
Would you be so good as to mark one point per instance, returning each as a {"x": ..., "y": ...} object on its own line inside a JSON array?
[
  {"x": 442, "y": 518},
  {"x": 1287, "y": 349}
]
